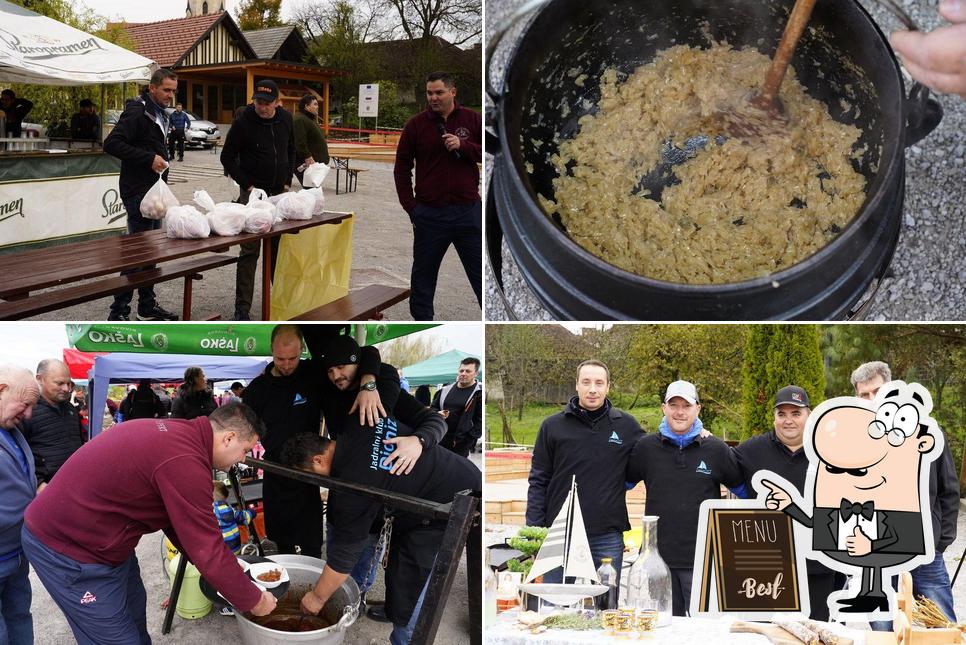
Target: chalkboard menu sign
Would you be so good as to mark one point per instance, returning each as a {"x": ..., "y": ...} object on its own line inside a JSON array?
[{"x": 753, "y": 554}]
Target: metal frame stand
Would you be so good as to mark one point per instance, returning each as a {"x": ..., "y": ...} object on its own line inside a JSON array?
[
  {"x": 463, "y": 528},
  {"x": 183, "y": 562}
]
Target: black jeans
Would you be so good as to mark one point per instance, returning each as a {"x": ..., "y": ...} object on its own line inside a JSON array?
[
  {"x": 434, "y": 230},
  {"x": 135, "y": 224},
  {"x": 247, "y": 264},
  {"x": 176, "y": 137}
]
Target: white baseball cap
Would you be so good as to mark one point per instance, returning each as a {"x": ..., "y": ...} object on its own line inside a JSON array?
[{"x": 683, "y": 389}]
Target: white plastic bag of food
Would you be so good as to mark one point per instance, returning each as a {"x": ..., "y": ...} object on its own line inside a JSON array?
[
  {"x": 204, "y": 200},
  {"x": 228, "y": 218},
  {"x": 315, "y": 175},
  {"x": 158, "y": 200},
  {"x": 260, "y": 220},
  {"x": 259, "y": 200},
  {"x": 186, "y": 222},
  {"x": 298, "y": 205},
  {"x": 319, "y": 200}
]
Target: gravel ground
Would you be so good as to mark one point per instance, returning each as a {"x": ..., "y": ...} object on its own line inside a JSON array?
[{"x": 926, "y": 279}]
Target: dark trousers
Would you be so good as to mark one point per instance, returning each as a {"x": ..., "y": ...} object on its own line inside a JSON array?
[
  {"x": 247, "y": 264},
  {"x": 176, "y": 137},
  {"x": 820, "y": 585},
  {"x": 103, "y": 604},
  {"x": 434, "y": 230},
  {"x": 681, "y": 591},
  {"x": 135, "y": 224},
  {"x": 461, "y": 445}
]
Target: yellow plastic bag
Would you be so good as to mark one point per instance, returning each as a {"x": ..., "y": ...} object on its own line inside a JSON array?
[{"x": 312, "y": 270}]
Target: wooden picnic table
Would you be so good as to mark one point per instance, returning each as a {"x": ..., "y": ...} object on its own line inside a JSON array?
[{"x": 62, "y": 265}]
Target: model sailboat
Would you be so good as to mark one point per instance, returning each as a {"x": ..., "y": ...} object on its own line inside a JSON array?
[{"x": 565, "y": 546}]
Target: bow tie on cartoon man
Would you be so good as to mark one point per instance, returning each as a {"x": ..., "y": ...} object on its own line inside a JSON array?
[{"x": 868, "y": 480}]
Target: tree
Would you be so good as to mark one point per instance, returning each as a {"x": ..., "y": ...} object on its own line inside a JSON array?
[
  {"x": 460, "y": 21},
  {"x": 409, "y": 350},
  {"x": 259, "y": 14},
  {"x": 776, "y": 356},
  {"x": 392, "y": 113}
]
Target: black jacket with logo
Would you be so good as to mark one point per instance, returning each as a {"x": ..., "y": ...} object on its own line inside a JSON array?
[
  {"x": 260, "y": 152},
  {"x": 135, "y": 140},
  {"x": 677, "y": 481},
  {"x": 570, "y": 444},
  {"x": 54, "y": 434}
]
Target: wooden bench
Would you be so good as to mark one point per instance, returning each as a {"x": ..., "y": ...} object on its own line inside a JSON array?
[
  {"x": 190, "y": 269},
  {"x": 366, "y": 303},
  {"x": 351, "y": 174}
]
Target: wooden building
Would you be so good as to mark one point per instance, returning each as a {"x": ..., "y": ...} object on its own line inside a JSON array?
[{"x": 218, "y": 64}]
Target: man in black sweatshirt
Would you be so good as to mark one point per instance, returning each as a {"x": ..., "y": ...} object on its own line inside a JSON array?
[
  {"x": 681, "y": 467},
  {"x": 259, "y": 152},
  {"x": 365, "y": 455},
  {"x": 53, "y": 429},
  {"x": 590, "y": 440},
  {"x": 781, "y": 452}
]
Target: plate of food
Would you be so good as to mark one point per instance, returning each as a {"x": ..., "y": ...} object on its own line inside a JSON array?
[{"x": 268, "y": 574}]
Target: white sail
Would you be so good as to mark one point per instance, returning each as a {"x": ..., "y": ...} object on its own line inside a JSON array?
[
  {"x": 554, "y": 547},
  {"x": 579, "y": 562}
]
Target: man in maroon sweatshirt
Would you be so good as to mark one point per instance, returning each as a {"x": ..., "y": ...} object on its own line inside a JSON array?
[
  {"x": 445, "y": 143},
  {"x": 141, "y": 476}
]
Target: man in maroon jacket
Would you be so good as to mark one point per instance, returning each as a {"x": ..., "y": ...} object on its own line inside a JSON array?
[
  {"x": 445, "y": 143},
  {"x": 141, "y": 476}
]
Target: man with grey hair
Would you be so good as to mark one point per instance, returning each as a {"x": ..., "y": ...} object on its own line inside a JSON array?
[
  {"x": 930, "y": 580},
  {"x": 18, "y": 486},
  {"x": 869, "y": 377},
  {"x": 53, "y": 430}
]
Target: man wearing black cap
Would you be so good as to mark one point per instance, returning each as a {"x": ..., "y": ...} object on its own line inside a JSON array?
[
  {"x": 403, "y": 442},
  {"x": 259, "y": 152},
  {"x": 780, "y": 451},
  {"x": 85, "y": 124}
]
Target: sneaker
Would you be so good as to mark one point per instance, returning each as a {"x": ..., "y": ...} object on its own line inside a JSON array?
[
  {"x": 238, "y": 315},
  {"x": 378, "y": 613},
  {"x": 116, "y": 316},
  {"x": 227, "y": 611},
  {"x": 182, "y": 159},
  {"x": 155, "y": 312}
]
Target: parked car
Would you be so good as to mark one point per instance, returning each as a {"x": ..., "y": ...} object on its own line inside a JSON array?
[{"x": 201, "y": 132}]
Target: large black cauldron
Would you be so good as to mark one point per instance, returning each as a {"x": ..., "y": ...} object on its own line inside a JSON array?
[{"x": 843, "y": 54}]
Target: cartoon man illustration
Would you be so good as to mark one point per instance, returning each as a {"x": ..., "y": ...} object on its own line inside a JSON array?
[{"x": 868, "y": 479}]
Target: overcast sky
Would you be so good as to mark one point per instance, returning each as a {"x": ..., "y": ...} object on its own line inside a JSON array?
[
  {"x": 26, "y": 344},
  {"x": 117, "y": 10}
]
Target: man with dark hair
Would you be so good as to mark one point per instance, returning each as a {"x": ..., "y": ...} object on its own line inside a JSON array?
[
  {"x": 15, "y": 110},
  {"x": 236, "y": 390},
  {"x": 143, "y": 404},
  {"x": 460, "y": 404},
  {"x": 286, "y": 396},
  {"x": 179, "y": 123},
  {"x": 259, "y": 152},
  {"x": 85, "y": 125},
  {"x": 444, "y": 143},
  {"x": 53, "y": 429},
  {"x": 590, "y": 440},
  {"x": 374, "y": 456},
  {"x": 781, "y": 451},
  {"x": 310, "y": 145},
  {"x": 139, "y": 141},
  {"x": 142, "y": 476}
]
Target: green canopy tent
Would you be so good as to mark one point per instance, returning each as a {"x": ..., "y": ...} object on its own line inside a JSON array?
[
  {"x": 438, "y": 369},
  {"x": 213, "y": 339}
]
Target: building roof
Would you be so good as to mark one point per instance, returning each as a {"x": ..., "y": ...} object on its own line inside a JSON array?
[
  {"x": 266, "y": 42},
  {"x": 168, "y": 41}
]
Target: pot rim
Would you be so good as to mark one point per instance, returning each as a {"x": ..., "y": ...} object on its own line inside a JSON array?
[{"x": 504, "y": 165}]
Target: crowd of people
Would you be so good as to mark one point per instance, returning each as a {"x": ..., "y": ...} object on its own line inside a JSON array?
[
  {"x": 341, "y": 413},
  {"x": 267, "y": 146},
  {"x": 684, "y": 464}
]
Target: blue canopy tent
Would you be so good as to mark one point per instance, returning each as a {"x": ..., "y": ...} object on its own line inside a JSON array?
[
  {"x": 131, "y": 368},
  {"x": 438, "y": 369}
]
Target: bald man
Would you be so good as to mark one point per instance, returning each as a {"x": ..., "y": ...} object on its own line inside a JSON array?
[
  {"x": 18, "y": 486},
  {"x": 53, "y": 430},
  {"x": 287, "y": 398}
]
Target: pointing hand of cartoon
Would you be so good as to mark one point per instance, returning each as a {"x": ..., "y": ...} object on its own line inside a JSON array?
[
  {"x": 859, "y": 543},
  {"x": 778, "y": 499}
]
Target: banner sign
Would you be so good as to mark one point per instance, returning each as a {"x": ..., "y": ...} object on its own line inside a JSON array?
[{"x": 368, "y": 101}]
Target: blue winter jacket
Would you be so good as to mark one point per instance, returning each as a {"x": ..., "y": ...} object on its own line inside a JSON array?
[
  {"x": 17, "y": 490},
  {"x": 179, "y": 121}
]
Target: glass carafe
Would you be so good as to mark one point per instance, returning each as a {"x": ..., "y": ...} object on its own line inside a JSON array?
[{"x": 649, "y": 582}]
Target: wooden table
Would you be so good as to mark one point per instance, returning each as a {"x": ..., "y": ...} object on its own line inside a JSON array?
[{"x": 37, "y": 269}]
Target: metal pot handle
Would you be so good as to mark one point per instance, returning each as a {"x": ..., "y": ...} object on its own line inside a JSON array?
[
  {"x": 349, "y": 615},
  {"x": 922, "y": 114}
]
